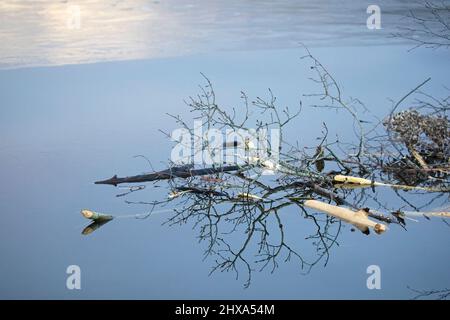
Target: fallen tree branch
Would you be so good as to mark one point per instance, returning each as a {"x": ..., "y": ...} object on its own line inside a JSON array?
[{"x": 171, "y": 173}]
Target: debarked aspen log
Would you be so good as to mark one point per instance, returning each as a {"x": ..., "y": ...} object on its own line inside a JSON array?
[
  {"x": 357, "y": 218},
  {"x": 96, "y": 216},
  {"x": 98, "y": 220},
  {"x": 354, "y": 182}
]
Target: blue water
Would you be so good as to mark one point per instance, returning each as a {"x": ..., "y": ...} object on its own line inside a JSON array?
[
  {"x": 47, "y": 32},
  {"x": 63, "y": 127}
]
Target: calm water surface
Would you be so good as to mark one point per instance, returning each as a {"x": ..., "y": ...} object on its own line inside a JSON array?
[
  {"x": 65, "y": 124},
  {"x": 49, "y": 32}
]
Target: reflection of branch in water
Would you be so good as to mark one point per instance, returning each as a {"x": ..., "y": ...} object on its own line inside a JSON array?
[
  {"x": 94, "y": 226},
  {"x": 261, "y": 221},
  {"x": 443, "y": 294},
  {"x": 430, "y": 27},
  {"x": 130, "y": 189}
]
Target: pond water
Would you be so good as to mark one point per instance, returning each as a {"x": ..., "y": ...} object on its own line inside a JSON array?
[
  {"x": 72, "y": 114},
  {"x": 47, "y": 32}
]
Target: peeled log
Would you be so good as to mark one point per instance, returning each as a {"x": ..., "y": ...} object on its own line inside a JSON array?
[
  {"x": 349, "y": 181},
  {"x": 357, "y": 218},
  {"x": 96, "y": 216},
  {"x": 98, "y": 220}
]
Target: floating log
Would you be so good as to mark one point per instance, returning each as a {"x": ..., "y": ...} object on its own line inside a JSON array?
[
  {"x": 357, "y": 218},
  {"x": 99, "y": 219},
  {"x": 354, "y": 182},
  {"x": 96, "y": 216}
]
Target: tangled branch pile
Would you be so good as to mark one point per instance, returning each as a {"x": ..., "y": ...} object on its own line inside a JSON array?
[{"x": 410, "y": 154}]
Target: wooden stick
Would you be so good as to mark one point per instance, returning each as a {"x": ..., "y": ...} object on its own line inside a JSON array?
[
  {"x": 98, "y": 220},
  {"x": 357, "y": 218},
  {"x": 96, "y": 216},
  {"x": 350, "y": 181},
  {"x": 177, "y": 172},
  {"x": 418, "y": 157}
]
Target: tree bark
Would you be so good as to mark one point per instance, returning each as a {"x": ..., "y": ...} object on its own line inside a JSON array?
[{"x": 176, "y": 172}]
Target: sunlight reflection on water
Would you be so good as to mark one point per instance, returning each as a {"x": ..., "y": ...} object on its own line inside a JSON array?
[{"x": 45, "y": 32}]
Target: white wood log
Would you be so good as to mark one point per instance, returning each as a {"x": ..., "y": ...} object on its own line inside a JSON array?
[
  {"x": 357, "y": 218},
  {"x": 96, "y": 216}
]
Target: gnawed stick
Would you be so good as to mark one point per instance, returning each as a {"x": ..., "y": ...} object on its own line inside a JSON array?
[
  {"x": 96, "y": 216},
  {"x": 357, "y": 218},
  {"x": 355, "y": 182},
  {"x": 98, "y": 220}
]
